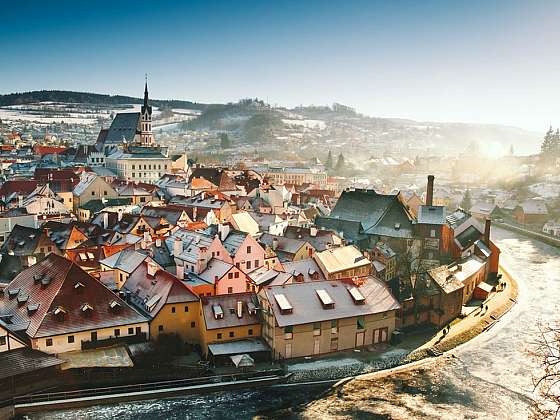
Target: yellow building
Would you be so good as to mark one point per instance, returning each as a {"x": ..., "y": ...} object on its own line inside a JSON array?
[
  {"x": 227, "y": 319},
  {"x": 343, "y": 263},
  {"x": 173, "y": 309},
  {"x": 65, "y": 309},
  {"x": 313, "y": 318}
]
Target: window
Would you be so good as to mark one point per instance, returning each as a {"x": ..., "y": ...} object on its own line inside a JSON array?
[
  {"x": 70, "y": 339},
  {"x": 93, "y": 193},
  {"x": 94, "y": 336},
  {"x": 133, "y": 175},
  {"x": 316, "y": 328},
  {"x": 230, "y": 275},
  {"x": 231, "y": 334},
  {"x": 49, "y": 342},
  {"x": 160, "y": 328},
  {"x": 104, "y": 192},
  {"x": 117, "y": 332},
  {"x": 248, "y": 265},
  {"x": 237, "y": 264},
  {"x": 248, "y": 250},
  {"x": 138, "y": 330},
  {"x": 219, "y": 336},
  {"x": 288, "y": 332},
  {"x": 173, "y": 309},
  {"x": 250, "y": 331},
  {"x": 130, "y": 331},
  {"x": 433, "y": 233},
  {"x": 236, "y": 274},
  {"x": 230, "y": 289},
  {"x": 193, "y": 324},
  {"x": 360, "y": 323},
  {"x": 334, "y": 326},
  {"x": 3, "y": 340},
  {"x": 256, "y": 263},
  {"x": 133, "y": 167},
  {"x": 186, "y": 309}
]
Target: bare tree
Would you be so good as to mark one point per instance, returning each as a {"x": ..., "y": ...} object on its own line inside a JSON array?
[{"x": 546, "y": 350}]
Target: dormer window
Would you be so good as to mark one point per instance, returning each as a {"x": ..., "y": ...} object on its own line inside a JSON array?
[
  {"x": 32, "y": 308},
  {"x": 86, "y": 308},
  {"x": 60, "y": 313},
  {"x": 12, "y": 293},
  {"x": 21, "y": 299},
  {"x": 114, "y": 305},
  {"x": 79, "y": 286}
]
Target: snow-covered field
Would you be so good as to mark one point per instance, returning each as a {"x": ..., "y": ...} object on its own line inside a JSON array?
[
  {"x": 80, "y": 114},
  {"x": 321, "y": 125}
]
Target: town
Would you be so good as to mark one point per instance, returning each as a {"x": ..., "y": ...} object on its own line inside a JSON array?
[{"x": 120, "y": 253}]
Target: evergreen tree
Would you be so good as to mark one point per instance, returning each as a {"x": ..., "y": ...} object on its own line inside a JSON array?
[
  {"x": 329, "y": 163},
  {"x": 556, "y": 143},
  {"x": 340, "y": 163},
  {"x": 466, "y": 204},
  {"x": 548, "y": 143}
]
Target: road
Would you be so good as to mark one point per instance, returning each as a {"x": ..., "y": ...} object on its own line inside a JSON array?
[{"x": 490, "y": 379}]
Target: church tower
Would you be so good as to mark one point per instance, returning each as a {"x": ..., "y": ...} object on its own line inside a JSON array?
[{"x": 146, "y": 136}]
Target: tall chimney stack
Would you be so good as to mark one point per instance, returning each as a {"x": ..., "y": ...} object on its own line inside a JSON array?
[
  {"x": 487, "y": 225},
  {"x": 430, "y": 191}
]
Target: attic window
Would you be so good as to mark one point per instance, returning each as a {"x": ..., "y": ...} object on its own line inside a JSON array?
[
  {"x": 114, "y": 305},
  {"x": 152, "y": 302},
  {"x": 32, "y": 308},
  {"x": 37, "y": 278},
  {"x": 218, "y": 312},
  {"x": 12, "y": 293},
  {"x": 46, "y": 280},
  {"x": 60, "y": 313},
  {"x": 86, "y": 308},
  {"x": 397, "y": 226},
  {"x": 284, "y": 304},
  {"x": 21, "y": 299},
  {"x": 325, "y": 298},
  {"x": 78, "y": 286},
  {"x": 251, "y": 308},
  {"x": 357, "y": 296}
]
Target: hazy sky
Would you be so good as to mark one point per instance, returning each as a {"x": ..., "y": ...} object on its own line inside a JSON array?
[{"x": 473, "y": 61}]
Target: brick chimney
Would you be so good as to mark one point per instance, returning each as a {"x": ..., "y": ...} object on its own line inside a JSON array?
[
  {"x": 430, "y": 191},
  {"x": 487, "y": 225}
]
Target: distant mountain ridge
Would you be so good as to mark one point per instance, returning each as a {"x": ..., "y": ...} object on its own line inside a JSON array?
[{"x": 24, "y": 98}]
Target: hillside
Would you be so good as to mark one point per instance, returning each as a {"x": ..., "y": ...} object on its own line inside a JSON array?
[{"x": 89, "y": 98}]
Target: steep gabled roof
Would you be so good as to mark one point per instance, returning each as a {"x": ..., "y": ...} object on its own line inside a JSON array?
[
  {"x": 54, "y": 283},
  {"x": 123, "y": 127},
  {"x": 150, "y": 293},
  {"x": 22, "y": 241},
  {"x": 377, "y": 214}
]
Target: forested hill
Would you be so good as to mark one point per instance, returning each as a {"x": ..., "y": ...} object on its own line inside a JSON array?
[{"x": 89, "y": 98}]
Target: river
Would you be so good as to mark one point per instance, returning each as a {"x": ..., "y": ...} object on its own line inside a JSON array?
[{"x": 490, "y": 379}]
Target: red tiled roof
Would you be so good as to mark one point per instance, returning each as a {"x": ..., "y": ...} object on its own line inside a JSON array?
[
  {"x": 164, "y": 285},
  {"x": 62, "y": 291},
  {"x": 47, "y": 150},
  {"x": 22, "y": 186}
]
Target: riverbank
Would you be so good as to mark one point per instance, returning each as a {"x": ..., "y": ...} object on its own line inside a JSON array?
[
  {"x": 478, "y": 321},
  {"x": 529, "y": 233},
  {"x": 375, "y": 392}
]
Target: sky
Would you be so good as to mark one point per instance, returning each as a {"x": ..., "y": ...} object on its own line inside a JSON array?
[{"x": 466, "y": 61}]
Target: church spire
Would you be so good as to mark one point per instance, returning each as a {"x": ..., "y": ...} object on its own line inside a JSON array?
[{"x": 146, "y": 92}]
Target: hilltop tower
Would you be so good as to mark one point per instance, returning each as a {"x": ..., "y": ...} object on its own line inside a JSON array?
[{"x": 146, "y": 136}]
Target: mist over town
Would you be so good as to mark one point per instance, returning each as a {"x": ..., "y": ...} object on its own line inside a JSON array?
[{"x": 279, "y": 210}]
